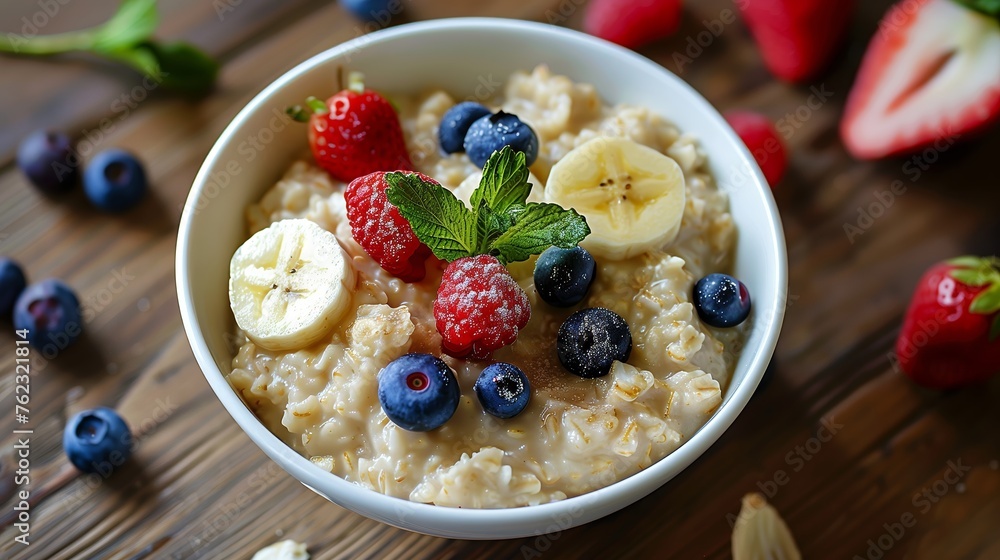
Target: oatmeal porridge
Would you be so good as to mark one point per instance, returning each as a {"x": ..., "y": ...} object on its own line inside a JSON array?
[{"x": 320, "y": 394}]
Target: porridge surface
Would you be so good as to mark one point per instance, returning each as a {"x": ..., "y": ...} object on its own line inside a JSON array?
[{"x": 576, "y": 435}]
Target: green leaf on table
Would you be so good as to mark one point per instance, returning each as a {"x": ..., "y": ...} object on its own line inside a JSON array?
[
  {"x": 966, "y": 261},
  {"x": 127, "y": 38},
  {"x": 133, "y": 23},
  {"x": 183, "y": 67},
  {"x": 438, "y": 218},
  {"x": 536, "y": 228}
]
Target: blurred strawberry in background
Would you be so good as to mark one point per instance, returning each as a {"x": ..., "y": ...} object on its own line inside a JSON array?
[
  {"x": 797, "y": 38},
  {"x": 632, "y": 23},
  {"x": 931, "y": 74}
]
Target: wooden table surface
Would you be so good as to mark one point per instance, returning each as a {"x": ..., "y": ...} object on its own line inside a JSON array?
[{"x": 198, "y": 487}]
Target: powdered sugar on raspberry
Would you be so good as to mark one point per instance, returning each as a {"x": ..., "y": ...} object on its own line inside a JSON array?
[
  {"x": 382, "y": 231},
  {"x": 479, "y": 308}
]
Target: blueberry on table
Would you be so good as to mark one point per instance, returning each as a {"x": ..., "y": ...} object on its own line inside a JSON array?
[
  {"x": 50, "y": 312},
  {"x": 455, "y": 124},
  {"x": 503, "y": 390},
  {"x": 591, "y": 340},
  {"x": 721, "y": 300},
  {"x": 374, "y": 11},
  {"x": 492, "y": 132},
  {"x": 114, "y": 181},
  {"x": 563, "y": 276},
  {"x": 12, "y": 283},
  {"x": 47, "y": 159},
  {"x": 418, "y": 392},
  {"x": 97, "y": 441}
]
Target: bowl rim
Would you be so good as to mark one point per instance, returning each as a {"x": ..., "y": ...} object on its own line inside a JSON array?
[{"x": 314, "y": 477}]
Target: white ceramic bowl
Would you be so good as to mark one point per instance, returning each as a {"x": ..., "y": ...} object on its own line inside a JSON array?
[{"x": 465, "y": 57}]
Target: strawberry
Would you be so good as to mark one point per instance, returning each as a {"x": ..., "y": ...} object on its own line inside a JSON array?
[
  {"x": 632, "y": 23},
  {"x": 930, "y": 74},
  {"x": 763, "y": 141},
  {"x": 951, "y": 332},
  {"x": 797, "y": 38},
  {"x": 356, "y": 133}
]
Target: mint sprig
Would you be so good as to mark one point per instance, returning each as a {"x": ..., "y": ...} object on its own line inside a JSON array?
[
  {"x": 502, "y": 222},
  {"x": 127, "y": 38},
  {"x": 978, "y": 272}
]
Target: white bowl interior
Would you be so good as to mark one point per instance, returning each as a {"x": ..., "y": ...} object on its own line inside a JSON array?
[{"x": 468, "y": 58}]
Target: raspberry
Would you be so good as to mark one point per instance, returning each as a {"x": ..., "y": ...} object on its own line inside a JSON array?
[
  {"x": 479, "y": 307},
  {"x": 382, "y": 231}
]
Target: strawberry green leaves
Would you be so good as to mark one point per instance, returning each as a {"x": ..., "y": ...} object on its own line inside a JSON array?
[
  {"x": 987, "y": 7},
  {"x": 502, "y": 222},
  {"x": 980, "y": 272}
]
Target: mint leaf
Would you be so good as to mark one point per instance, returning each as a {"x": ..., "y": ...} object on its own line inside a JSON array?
[
  {"x": 987, "y": 301},
  {"x": 439, "y": 219},
  {"x": 504, "y": 182},
  {"x": 988, "y": 7},
  {"x": 537, "y": 227},
  {"x": 490, "y": 225}
]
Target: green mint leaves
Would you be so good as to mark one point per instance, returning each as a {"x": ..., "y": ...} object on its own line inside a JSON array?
[
  {"x": 502, "y": 223},
  {"x": 978, "y": 272},
  {"x": 440, "y": 220},
  {"x": 127, "y": 38}
]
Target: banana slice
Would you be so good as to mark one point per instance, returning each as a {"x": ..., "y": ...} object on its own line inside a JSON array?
[
  {"x": 290, "y": 284},
  {"x": 464, "y": 190},
  {"x": 632, "y": 196}
]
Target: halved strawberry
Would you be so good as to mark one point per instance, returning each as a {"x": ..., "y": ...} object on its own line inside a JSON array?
[{"x": 931, "y": 73}]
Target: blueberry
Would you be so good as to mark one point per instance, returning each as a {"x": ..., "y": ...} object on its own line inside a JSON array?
[
  {"x": 50, "y": 312},
  {"x": 492, "y": 132},
  {"x": 12, "y": 283},
  {"x": 97, "y": 441},
  {"x": 373, "y": 11},
  {"x": 418, "y": 392},
  {"x": 47, "y": 159},
  {"x": 721, "y": 300},
  {"x": 114, "y": 181},
  {"x": 456, "y": 123},
  {"x": 503, "y": 390},
  {"x": 591, "y": 339},
  {"x": 563, "y": 276}
]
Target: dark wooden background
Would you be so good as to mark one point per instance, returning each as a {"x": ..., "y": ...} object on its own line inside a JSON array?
[{"x": 198, "y": 488}]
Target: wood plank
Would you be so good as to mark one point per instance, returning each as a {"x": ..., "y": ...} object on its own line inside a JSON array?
[{"x": 198, "y": 488}]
